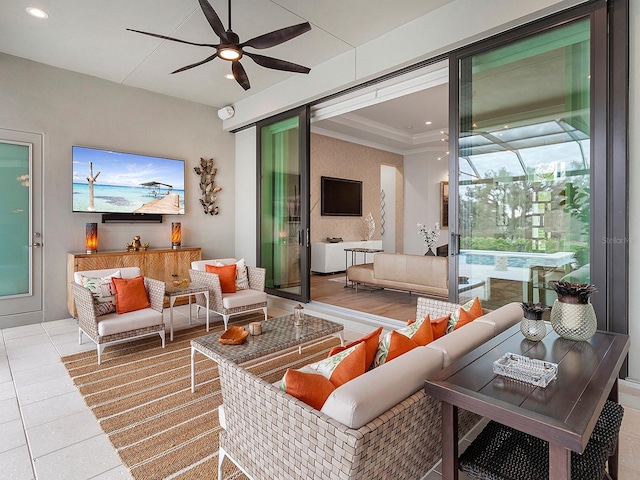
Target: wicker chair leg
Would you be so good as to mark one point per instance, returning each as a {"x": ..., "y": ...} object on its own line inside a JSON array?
[
  {"x": 225, "y": 318},
  {"x": 100, "y": 348},
  {"x": 221, "y": 455},
  {"x": 79, "y": 336},
  {"x": 161, "y": 333},
  {"x": 264, "y": 309}
]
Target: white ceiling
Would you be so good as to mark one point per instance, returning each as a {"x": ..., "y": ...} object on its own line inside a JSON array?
[{"x": 90, "y": 37}]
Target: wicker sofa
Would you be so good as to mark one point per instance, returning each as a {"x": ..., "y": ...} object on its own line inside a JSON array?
[
  {"x": 415, "y": 273},
  {"x": 380, "y": 425}
]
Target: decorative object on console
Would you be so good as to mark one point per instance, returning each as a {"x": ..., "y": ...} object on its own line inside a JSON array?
[
  {"x": 368, "y": 227},
  {"x": 334, "y": 239},
  {"x": 429, "y": 236},
  {"x": 207, "y": 173},
  {"x": 136, "y": 245},
  {"x": 532, "y": 326},
  {"x": 572, "y": 315},
  {"x": 298, "y": 315},
  {"x": 176, "y": 235},
  {"x": 382, "y": 212},
  {"x": 91, "y": 240}
]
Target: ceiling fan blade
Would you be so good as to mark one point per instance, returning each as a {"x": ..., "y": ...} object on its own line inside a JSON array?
[
  {"x": 240, "y": 75},
  {"x": 213, "y": 19},
  {"x": 277, "y": 36},
  {"x": 173, "y": 39},
  {"x": 197, "y": 64},
  {"x": 277, "y": 64}
]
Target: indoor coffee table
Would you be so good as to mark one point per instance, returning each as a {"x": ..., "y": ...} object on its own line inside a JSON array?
[
  {"x": 563, "y": 414},
  {"x": 277, "y": 334}
]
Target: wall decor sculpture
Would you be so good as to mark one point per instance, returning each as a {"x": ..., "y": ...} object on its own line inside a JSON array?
[{"x": 207, "y": 173}]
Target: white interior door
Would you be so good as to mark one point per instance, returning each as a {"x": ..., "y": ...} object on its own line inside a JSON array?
[{"x": 21, "y": 227}]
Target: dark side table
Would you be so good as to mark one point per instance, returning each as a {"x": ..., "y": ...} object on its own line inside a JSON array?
[{"x": 563, "y": 414}]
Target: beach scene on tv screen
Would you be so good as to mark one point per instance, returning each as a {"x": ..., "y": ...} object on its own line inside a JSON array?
[{"x": 114, "y": 182}]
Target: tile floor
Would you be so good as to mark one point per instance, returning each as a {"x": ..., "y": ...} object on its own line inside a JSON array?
[{"x": 47, "y": 432}]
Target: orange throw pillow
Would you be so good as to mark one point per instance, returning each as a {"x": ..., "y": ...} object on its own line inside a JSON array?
[
  {"x": 424, "y": 334},
  {"x": 371, "y": 345},
  {"x": 465, "y": 317},
  {"x": 130, "y": 294},
  {"x": 398, "y": 345},
  {"x": 352, "y": 366},
  {"x": 227, "y": 275},
  {"x": 311, "y": 388},
  {"x": 439, "y": 326}
]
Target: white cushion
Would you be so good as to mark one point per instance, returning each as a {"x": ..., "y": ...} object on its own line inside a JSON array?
[
  {"x": 461, "y": 341},
  {"x": 115, "y": 323},
  {"x": 242, "y": 298},
  {"x": 200, "y": 264},
  {"x": 125, "y": 272},
  {"x": 366, "y": 397}
]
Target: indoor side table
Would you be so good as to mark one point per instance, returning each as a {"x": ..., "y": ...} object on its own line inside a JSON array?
[
  {"x": 354, "y": 259},
  {"x": 173, "y": 292},
  {"x": 563, "y": 414}
]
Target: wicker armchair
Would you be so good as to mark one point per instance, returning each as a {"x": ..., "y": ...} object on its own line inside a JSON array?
[
  {"x": 112, "y": 327},
  {"x": 228, "y": 304}
]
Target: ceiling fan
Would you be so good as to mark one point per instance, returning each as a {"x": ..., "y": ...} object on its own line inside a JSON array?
[{"x": 232, "y": 50}]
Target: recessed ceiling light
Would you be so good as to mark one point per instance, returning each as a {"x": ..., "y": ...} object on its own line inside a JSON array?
[
  {"x": 409, "y": 127},
  {"x": 229, "y": 76},
  {"x": 428, "y": 123},
  {"x": 36, "y": 12}
]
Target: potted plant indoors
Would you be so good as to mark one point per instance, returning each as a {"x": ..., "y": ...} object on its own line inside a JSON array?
[{"x": 572, "y": 315}]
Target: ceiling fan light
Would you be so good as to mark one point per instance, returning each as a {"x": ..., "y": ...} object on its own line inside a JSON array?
[
  {"x": 36, "y": 12},
  {"x": 229, "y": 52}
]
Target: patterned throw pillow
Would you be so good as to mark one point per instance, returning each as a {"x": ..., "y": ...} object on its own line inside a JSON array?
[
  {"x": 103, "y": 291},
  {"x": 473, "y": 307},
  {"x": 242, "y": 278},
  {"x": 371, "y": 341}
]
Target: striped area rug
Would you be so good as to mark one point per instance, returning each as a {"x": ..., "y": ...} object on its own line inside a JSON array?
[{"x": 141, "y": 395}]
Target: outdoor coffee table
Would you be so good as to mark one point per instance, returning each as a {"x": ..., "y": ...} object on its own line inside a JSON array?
[
  {"x": 173, "y": 292},
  {"x": 277, "y": 334}
]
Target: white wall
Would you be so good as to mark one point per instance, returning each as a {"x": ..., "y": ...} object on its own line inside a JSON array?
[
  {"x": 423, "y": 174},
  {"x": 246, "y": 193},
  {"x": 634, "y": 180},
  {"x": 388, "y": 185},
  {"x": 75, "y": 109}
]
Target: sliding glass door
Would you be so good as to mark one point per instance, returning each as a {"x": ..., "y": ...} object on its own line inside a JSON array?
[
  {"x": 283, "y": 220},
  {"x": 524, "y": 169}
]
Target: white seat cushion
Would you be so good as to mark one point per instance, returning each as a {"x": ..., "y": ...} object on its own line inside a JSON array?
[
  {"x": 242, "y": 298},
  {"x": 113, "y": 323}
]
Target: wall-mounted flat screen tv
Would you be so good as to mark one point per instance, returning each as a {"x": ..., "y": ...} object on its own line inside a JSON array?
[
  {"x": 340, "y": 197},
  {"x": 106, "y": 181}
]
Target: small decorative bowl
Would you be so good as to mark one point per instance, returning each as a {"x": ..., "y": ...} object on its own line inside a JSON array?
[{"x": 233, "y": 336}]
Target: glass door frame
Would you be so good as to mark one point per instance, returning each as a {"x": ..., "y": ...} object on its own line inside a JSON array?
[
  {"x": 304, "y": 155},
  {"x": 601, "y": 192}
]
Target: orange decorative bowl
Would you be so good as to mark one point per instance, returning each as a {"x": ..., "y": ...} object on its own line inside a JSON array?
[{"x": 233, "y": 336}]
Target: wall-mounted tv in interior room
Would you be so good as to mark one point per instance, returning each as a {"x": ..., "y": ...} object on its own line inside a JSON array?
[
  {"x": 340, "y": 197},
  {"x": 106, "y": 181}
]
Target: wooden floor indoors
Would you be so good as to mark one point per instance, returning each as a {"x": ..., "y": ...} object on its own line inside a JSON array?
[{"x": 386, "y": 303}]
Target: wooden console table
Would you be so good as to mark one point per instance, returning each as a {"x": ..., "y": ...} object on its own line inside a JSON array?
[
  {"x": 563, "y": 414},
  {"x": 160, "y": 264}
]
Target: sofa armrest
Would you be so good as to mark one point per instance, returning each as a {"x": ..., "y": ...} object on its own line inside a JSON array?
[
  {"x": 87, "y": 318},
  {"x": 155, "y": 290},
  {"x": 257, "y": 277},
  {"x": 212, "y": 282}
]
